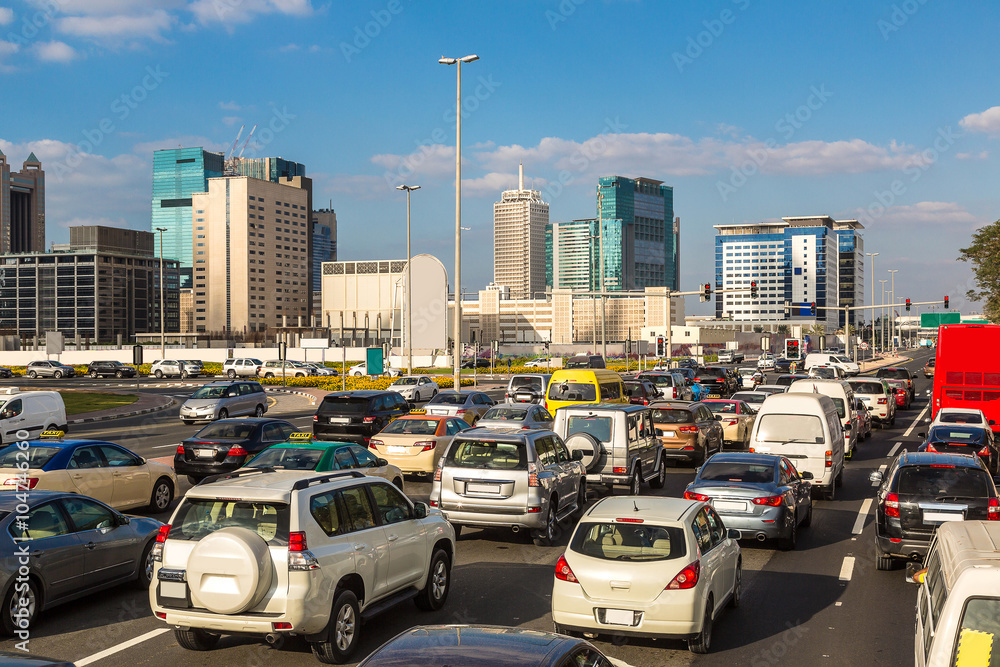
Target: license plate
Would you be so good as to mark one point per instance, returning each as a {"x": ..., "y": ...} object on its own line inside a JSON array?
[
  {"x": 941, "y": 517},
  {"x": 758, "y": 448},
  {"x": 205, "y": 453},
  {"x": 730, "y": 505},
  {"x": 173, "y": 589},
  {"x": 472, "y": 487},
  {"x": 340, "y": 420},
  {"x": 670, "y": 434},
  {"x": 437, "y": 412},
  {"x": 392, "y": 449},
  {"x": 619, "y": 617}
]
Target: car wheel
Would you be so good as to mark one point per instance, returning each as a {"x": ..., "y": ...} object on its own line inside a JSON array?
[
  {"x": 194, "y": 479},
  {"x": 258, "y": 411},
  {"x": 831, "y": 493},
  {"x": 581, "y": 499},
  {"x": 163, "y": 493},
  {"x": 196, "y": 639},
  {"x": 839, "y": 480},
  {"x": 635, "y": 486},
  {"x": 344, "y": 631},
  {"x": 435, "y": 591},
  {"x": 158, "y": 374},
  {"x": 788, "y": 543},
  {"x": 268, "y": 375},
  {"x": 12, "y": 607},
  {"x": 356, "y": 374},
  {"x": 223, "y": 414},
  {"x": 703, "y": 641},
  {"x": 231, "y": 374},
  {"x": 734, "y": 600},
  {"x": 661, "y": 476},
  {"x": 144, "y": 576},
  {"x": 32, "y": 374},
  {"x": 398, "y": 483},
  {"x": 548, "y": 535},
  {"x": 458, "y": 530},
  {"x": 57, "y": 375},
  {"x": 94, "y": 374}
]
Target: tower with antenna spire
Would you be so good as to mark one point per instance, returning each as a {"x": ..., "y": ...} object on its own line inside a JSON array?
[
  {"x": 519, "y": 221},
  {"x": 22, "y": 206}
]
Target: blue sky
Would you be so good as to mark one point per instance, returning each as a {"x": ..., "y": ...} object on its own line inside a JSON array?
[{"x": 884, "y": 111}]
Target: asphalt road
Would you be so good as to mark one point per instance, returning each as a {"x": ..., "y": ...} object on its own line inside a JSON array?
[{"x": 823, "y": 603}]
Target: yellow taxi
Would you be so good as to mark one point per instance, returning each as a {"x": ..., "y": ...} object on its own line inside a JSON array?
[{"x": 416, "y": 441}]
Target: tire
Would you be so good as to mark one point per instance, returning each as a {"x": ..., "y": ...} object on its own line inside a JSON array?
[
  {"x": 635, "y": 486},
  {"x": 268, "y": 375},
  {"x": 231, "y": 374},
  {"x": 57, "y": 375},
  {"x": 581, "y": 499},
  {"x": 144, "y": 573},
  {"x": 398, "y": 483},
  {"x": 661, "y": 476},
  {"x": 839, "y": 479},
  {"x": 435, "y": 591},
  {"x": 344, "y": 631},
  {"x": 458, "y": 530},
  {"x": 736, "y": 598},
  {"x": 548, "y": 535},
  {"x": 806, "y": 522},
  {"x": 10, "y": 605},
  {"x": 258, "y": 411},
  {"x": 162, "y": 495},
  {"x": 94, "y": 375},
  {"x": 32, "y": 374},
  {"x": 158, "y": 374},
  {"x": 356, "y": 374},
  {"x": 789, "y": 543},
  {"x": 119, "y": 374},
  {"x": 703, "y": 642},
  {"x": 223, "y": 414},
  {"x": 892, "y": 422},
  {"x": 831, "y": 493},
  {"x": 194, "y": 480},
  {"x": 196, "y": 639}
]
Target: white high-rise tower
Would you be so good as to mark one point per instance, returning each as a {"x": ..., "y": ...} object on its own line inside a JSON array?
[{"x": 519, "y": 220}]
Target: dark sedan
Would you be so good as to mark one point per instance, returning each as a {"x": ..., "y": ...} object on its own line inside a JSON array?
[
  {"x": 225, "y": 445},
  {"x": 718, "y": 380},
  {"x": 78, "y": 546},
  {"x": 782, "y": 365},
  {"x": 483, "y": 646},
  {"x": 962, "y": 439},
  {"x": 761, "y": 495},
  {"x": 6, "y": 372},
  {"x": 479, "y": 362}
]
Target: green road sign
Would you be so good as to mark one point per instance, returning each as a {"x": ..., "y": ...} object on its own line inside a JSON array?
[
  {"x": 373, "y": 362},
  {"x": 931, "y": 320}
]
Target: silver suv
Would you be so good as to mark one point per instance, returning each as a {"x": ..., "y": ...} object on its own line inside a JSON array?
[
  {"x": 512, "y": 477},
  {"x": 279, "y": 553},
  {"x": 242, "y": 368},
  {"x": 272, "y": 369},
  {"x": 173, "y": 368},
  {"x": 618, "y": 444},
  {"x": 49, "y": 369},
  {"x": 221, "y": 400}
]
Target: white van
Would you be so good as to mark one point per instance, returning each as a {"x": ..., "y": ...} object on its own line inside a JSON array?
[
  {"x": 958, "y": 604},
  {"x": 843, "y": 397},
  {"x": 31, "y": 411},
  {"x": 822, "y": 359},
  {"x": 806, "y": 429}
]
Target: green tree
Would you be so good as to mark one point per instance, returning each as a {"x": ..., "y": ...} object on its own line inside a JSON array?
[
  {"x": 984, "y": 254},
  {"x": 784, "y": 330}
]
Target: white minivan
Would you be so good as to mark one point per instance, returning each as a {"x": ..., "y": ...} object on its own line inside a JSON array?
[
  {"x": 806, "y": 429},
  {"x": 958, "y": 604},
  {"x": 843, "y": 397},
  {"x": 30, "y": 411},
  {"x": 822, "y": 359}
]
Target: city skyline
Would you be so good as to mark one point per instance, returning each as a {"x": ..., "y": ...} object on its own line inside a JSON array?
[{"x": 739, "y": 107}]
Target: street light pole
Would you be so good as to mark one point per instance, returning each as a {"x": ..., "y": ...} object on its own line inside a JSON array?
[
  {"x": 409, "y": 291},
  {"x": 458, "y": 216},
  {"x": 600, "y": 252},
  {"x": 163, "y": 303},
  {"x": 872, "y": 256},
  {"x": 882, "y": 312},
  {"x": 892, "y": 317}
]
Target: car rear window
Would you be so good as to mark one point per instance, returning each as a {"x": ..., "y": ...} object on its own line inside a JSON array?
[
  {"x": 236, "y": 430},
  {"x": 354, "y": 405},
  {"x": 790, "y": 428},
  {"x": 900, "y": 373},
  {"x": 960, "y": 418},
  {"x": 629, "y": 541},
  {"x": 869, "y": 388},
  {"x": 36, "y": 456},
  {"x": 712, "y": 372},
  {"x": 726, "y": 471},
  {"x": 953, "y": 434},
  {"x": 672, "y": 416},
  {"x": 198, "y": 517},
  {"x": 413, "y": 426},
  {"x": 506, "y": 414},
  {"x": 942, "y": 482},
  {"x": 572, "y": 391},
  {"x": 535, "y": 384},
  {"x": 489, "y": 454},
  {"x": 449, "y": 399},
  {"x": 723, "y": 408},
  {"x": 599, "y": 427}
]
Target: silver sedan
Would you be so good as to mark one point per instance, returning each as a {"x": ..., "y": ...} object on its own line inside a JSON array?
[{"x": 516, "y": 415}]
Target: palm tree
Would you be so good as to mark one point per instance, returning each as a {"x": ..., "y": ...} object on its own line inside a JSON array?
[
  {"x": 816, "y": 330},
  {"x": 784, "y": 330}
]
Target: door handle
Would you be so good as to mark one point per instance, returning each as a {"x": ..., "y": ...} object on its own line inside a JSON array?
[
  {"x": 90, "y": 545},
  {"x": 393, "y": 538},
  {"x": 37, "y": 553},
  {"x": 360, "y": 547},
  {"x": 77, "y": 476}
]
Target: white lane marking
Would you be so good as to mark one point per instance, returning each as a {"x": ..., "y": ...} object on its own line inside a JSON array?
[
  {"x": 895, "y": 448},
  {"x": 837, "y": 604},
  {"x": 846, "y": 570},
  {"x": 881, "y": 469},
  {"x": 175, "y": 446},
  {"x": 120, "y": 647},
  {"x": 859, "y": 523},
  {"x": 916, "y": 421}
]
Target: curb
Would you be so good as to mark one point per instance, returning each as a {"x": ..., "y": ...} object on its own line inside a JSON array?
[
  {"x": 134, "y": 413},
  {"x": 282, "y": 390}
]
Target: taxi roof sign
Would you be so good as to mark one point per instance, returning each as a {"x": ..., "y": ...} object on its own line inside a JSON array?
[
  {"x": 52, "y": 434},
  {"x": 301, "y": 436}
]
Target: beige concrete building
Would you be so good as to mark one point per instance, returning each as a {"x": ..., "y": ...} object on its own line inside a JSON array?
[
  {"x": 519, "y": 221},
  {"x": 252, "y": 254}
]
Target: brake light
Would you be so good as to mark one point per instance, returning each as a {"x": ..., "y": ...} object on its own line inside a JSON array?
[
  {"x": 180, "y": 449},
  {"x": 686, "y": 578},
  {"x": 564, "y": 572},
  {"x": 315, "y": 418},
  {"x": 297, "y": 541},
  {"x": 237, "y": 451},
  {"x": 619, "y": 471},
  {"x": 770, "y": 501},
  {"x": 627, "y": 520},
  {"x": 532, "y": 475},
  {"x": 425, "y": 446},
  {"x": 369, "y": 420},
  {"x": 691, "y": 495},
  {"x": 31, "y": 482},
  {"x": 993, "y": 510},
  {"x": 437, "y": 472},
  {"x": 891, "y": 505},
  {"x": 300, "y": 559},
  {"x": 161, "y": 536},
  {"x": 882, "y": 401},
  {"x": 732, "y": 422},
  {"x": 675, "y": 392},
  {"x": 930, "y": 448},
  {"x": 281, "y": 626},
  {"x": 688, "y": 429},
  {"x": 375, "y": 444},
  {"x": 829, "y": 459},
  {"x": 461, "y": 411}
]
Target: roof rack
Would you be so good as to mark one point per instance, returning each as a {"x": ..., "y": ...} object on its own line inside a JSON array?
[
  {"x": 235, "y": 475},
  {"x": 306, "y": 483}
]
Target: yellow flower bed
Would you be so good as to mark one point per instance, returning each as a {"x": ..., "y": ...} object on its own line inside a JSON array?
[{"x": 353, "y": 383}]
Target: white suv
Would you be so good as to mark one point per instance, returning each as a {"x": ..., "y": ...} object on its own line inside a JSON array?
[
  {"x": 279, "y": 553},
  {"x": 246, "y": 367}
]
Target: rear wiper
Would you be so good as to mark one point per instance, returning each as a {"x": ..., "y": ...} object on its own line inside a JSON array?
[{"x": 955, "y": 498}]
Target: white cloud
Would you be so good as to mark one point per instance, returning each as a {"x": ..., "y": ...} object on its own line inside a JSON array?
[
  {"x": 56, "y": 52},
  {"x": 151, "y": 25},
  {"x": 229, "y": 106},
  {"x": 230, "y": 12},
  {"x": 288, "y": 48},
  {"x": 6, "y": 15},
  {"x": 985, "y": 121},
  {"x": 981, "y": 155},
  {"x": 231, "y": 120},
  {"x": 315, "y": 48},
  {"x": 493, "y": 183},
  {"x": 935, "y": 213}
]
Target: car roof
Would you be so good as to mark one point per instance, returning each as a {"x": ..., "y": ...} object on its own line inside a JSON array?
[
  {"x": 605, "y": 407},
  {"x": 358, "y": 393},
  {"x": 266, "y": 484},
  {"x": 501, "y": 434},
  {"x": 745, "y": 457},
  {"x": 651, "y": 508},
  {"x": 673, "y": 404},
  {"x": 310, "y": 444},
  {"x": 63, "y": 443},
  {"x": 939, "y": 458}
]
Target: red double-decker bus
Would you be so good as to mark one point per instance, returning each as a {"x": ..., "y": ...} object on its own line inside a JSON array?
[{"x": 967, "y": 369}]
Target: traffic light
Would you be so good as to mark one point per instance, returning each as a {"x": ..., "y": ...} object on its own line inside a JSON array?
[
  {"x": 812, "y": 308},
  {"x": 792, "y": 352},
  {"x": 907, "y": 305},
  {"x": 753, "y": 289},
  {"x": 659, "y": 346},
  {"x": 708, "y": 290},
  {"x": 946, "y": 303}
]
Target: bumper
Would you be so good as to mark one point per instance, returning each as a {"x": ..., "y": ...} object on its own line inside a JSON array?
[
  {"x": 672, "y": 615},
  {"x": 775, "y": 522},
  {"x": 486, "y": 519},
  {"x": 182, "y": 467},
  {"x": 357, "y": 438},
  {"x": 191, "y": 415},
  {"x": 422, "y": 462},
  {"x": 904, "y": 548},
  {"x": 599, "y": 478}
]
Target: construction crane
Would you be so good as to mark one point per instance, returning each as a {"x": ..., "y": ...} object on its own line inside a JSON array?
[{"x": 232, "y": 160}]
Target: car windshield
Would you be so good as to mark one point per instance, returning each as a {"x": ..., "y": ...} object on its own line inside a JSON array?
[
  {"x": 344, "y": 405},
  {"x": 943, "y": 482},
  {"x": 841, "y": 360},
  {"x": 823, "y": 372},
  {"x": 210, "y": 391},
  {"x": 869, "y": 388},
  {"x": 952, "y": 434},
  {"x": 712, "y": 372},
  {"x": 659, "y": 380},
  {"x": 728, "y": 471},
  {"x": 488, "y": 454},
  {"x": 629, "y": 541},
  {"x": 405, "y": 382},
  {"x": 226, "y": 429},
  {"x": 583, "y": 362},
  {"x": 748, "y": 371},
  {"x": 413, "y": 426},
  {"x": 288, "y": 458},
  {"x": 960, "y": 418},
  {"x": 449, "y": 398},
  {"x": 199, "y": 517},
  {"x": 506, "y": 414},
  {"x": 36, "y": 456},
  {"x": 723, "y": 408},
  {"x": 535, "y": 384},
  {"x": 672, "y": 416},
  {"x": 572, "y": 391},
  {"x": 790, "y": 428}
]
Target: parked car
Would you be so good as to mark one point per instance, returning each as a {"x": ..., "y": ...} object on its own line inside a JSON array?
[
  {"x": 682, "y": 564},
  {"x": 537, "y": 363},
  {"x": 273, "y": 368},
  {"x": 172, "y": 368},
  {"x": 959, "y": 439},
  {"x": 226, "y": 398},
  {"x": 415, "y": 443},
  {"x": 737, "y": 418},
  {"x": 415, "y": 388},
  {"x": 110, "y": 369},
  {"x": 355, "y": 416},
  {"x": 527, "y": 387},
  {"x": 6, "y": 372},
  {"x": 516, "y": 415},
  {"x": 477, "y": 362},
  {"x": 194, "y": 367},
  {"x": 469, "y": 405},
  {"x": 761, "y": 495},
  {"x": 514, "y": 478},
  {"x": 320, "y": 370},
  {"x": 687, "y": 431},
  {"x": 284, "y": 526},
  {"x": 301, "y": 452},
  {"x": 919, "y": 492},
  {"x": 362, "y": 369},
  {"x": 57, "y": 528},
  {"x": 49, "y": 369},
  {"x": 225, "y": 445},
  {"x": 242, "y": 367}
]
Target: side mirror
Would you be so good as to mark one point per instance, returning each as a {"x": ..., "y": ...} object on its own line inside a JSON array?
[
  {"x": 659, "y": 432},
  {"x": 411, "y": 405},
  {"x": 717, "y": 418},
  {"x": 420, "y": 510},
  {"x": 382, "y": 462},
  {"x": 992, "y": 423},
  {"x": 123, "y": 520},
  {"x": 805, "y": 474},
  {"x": 734, "y": 534},
  {"x": 576, "y": 455},
  {"x": 875, "y": 477}
]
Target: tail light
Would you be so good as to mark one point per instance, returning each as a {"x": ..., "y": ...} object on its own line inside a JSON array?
[
  {"x": 461, "y": 412},
  {"x": 564, "y": 572},
  {"x": 770, "y": 501},
  {"x": 437, "y": 471},
  {"x": 369, "y": 420},
  {"x": 375, "y": 444},
  {"x": 882, "y": 401},
  {"x": 829, "y": 458},
  {"x": 157, "y": 551},
  {"x": 161, "y": 536},
  {"x": 619, "y": 471},
  {"x": 297, "y": 541},
  {"x": 532, "y": 475},
  {"x": 675, "y": 392},
  {"x": 299, "y": 557},
  {"x": 31, "y": 482},
  {"x": 985, "y": 451},
  {"x": 686, "y": 578},
  {"x": 691, "y": 495},
  {"x": 688, "y": 429},
  {"x": 425, "y": 446},
  {"x": 891, "y": 505},
  {"x": 732, "y": 422},
  {"x": 237, "y": 451},
  {"x": 930, "y": 448},
  {"x": 315, "y": 418},
  {"x": 993, "y": 510},
  {"x": 180, "y": 449}
]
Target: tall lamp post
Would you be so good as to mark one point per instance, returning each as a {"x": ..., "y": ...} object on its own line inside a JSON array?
[
  {"x": 409, "y": 291},
  {"x": 892, "y": 302},
  {"x": 872, "y": 256},
  {"x": 882, "y": 311},
  {"x": 163, "y": 303},
  {"x": 458, "y": 216}
]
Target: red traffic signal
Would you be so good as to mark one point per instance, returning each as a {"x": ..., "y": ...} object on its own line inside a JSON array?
[
  {"x": 753, "y": 288},
  {"x": 708, "y": 289},
  {"x": 812, "y": 308},
  {"x": 907, "y": 305},
  {"x": 946, "y": 302}
]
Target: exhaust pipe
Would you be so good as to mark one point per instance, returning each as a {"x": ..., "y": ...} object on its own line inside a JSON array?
[
  {"x": 761, "y": 537},
  {"x": 515, "y": 529},
  {"x": 274, "y": 639}
]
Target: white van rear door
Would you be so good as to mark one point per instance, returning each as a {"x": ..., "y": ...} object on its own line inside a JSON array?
[{"x": 799, "y": 437}]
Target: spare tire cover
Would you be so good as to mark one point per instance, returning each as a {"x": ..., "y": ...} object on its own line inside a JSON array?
[
  {"x": 589, "y": 445},
  {"x": 229, "y": 571}
]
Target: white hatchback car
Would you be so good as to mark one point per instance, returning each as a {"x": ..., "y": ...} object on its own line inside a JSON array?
[
  {"x": 648, "y": 567},
  {"x": 969, "y": 416}
]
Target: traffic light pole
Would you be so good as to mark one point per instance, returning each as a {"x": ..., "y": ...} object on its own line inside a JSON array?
[{"x": 872, "y": 307}]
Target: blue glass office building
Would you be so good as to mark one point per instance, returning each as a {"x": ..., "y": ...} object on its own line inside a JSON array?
[{"x": 640, "y": 235}]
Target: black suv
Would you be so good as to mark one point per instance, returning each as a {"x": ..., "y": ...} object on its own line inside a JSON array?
[
  {"x": 898, "y": 374},
  {"x": 355, "y": 416},
  {"x": 919, "y": 492},
  {"x": 109, "y": 369},
  {"x": 717, "y": 380}
]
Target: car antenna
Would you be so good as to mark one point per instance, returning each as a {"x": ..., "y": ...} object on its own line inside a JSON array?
[{"x": 635, "y": 506}]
